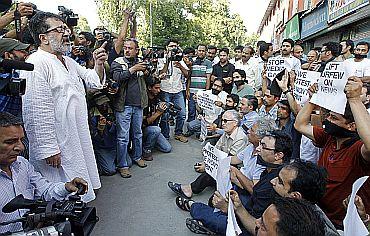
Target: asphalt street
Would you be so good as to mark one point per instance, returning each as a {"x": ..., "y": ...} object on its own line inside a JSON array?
[{"x": 143, "y": 204}]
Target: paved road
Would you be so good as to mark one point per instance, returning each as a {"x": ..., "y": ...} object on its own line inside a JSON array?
[{"x": 144, "y": 205}]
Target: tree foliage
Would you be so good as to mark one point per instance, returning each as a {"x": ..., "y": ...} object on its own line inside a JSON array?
[{"x": 189, "y": 21}]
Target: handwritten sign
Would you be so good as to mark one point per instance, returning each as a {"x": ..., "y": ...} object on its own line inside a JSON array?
[
  {"x": 330, "y": 94},
  {"x": 212, "y": 158},
  {"x": 304, "y": 79},
  {"x": 206, "y": 101}
]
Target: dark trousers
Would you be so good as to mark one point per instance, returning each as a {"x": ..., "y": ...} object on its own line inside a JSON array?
[{"x": 203, "y": 181}]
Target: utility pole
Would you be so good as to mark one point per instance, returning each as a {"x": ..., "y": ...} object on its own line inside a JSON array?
[{"x": 151, "y": 23}]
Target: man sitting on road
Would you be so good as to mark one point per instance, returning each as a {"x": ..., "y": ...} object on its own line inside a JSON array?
[
  {"x": 232, "y": 142},
  {"x": 17, "y": 175}
]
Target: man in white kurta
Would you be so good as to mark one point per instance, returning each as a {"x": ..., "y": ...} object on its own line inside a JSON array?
[{"x": 54, "y": 106}]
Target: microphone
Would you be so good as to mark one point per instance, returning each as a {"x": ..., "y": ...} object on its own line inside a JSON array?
[
  {"x": 19, "y": 202},
  {"x": 9, "y": 65}
]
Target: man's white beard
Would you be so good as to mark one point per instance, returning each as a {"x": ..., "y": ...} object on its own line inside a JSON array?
[{"x": 59, "y": 47}]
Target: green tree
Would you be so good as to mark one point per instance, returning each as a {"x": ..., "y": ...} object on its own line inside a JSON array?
[{"x": 83, "y": 25}]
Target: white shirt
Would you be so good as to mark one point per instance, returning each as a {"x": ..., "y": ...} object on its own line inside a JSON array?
[
  {"x": 259, "y": 64},
  {"x": 251, "y": 71},
  {"x": 173, "y": 82},
  {"x": 56, "y": 118},
  {"x": 291, "y": 62},
  {"x": 359, "y": 69},
  {"x": 309, "y": 152}
]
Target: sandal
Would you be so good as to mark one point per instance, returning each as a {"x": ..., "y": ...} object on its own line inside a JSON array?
[
  {"x": 184, "y": 203},
  {"x": 176, "y": 188},
  {"x": 196, "y": 227}
]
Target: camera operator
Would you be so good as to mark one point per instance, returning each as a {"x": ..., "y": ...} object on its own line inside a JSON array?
[
  {"x": 18, "y": 175},
  {"x": 24, "y": 9},
  {"x": 174, "y": 67},
  {"x": 128, "y": 104},
  {"x": 82, "y": 52},
  {"x": 152, "y": 135},
  {"x": 14, "y": 50}
]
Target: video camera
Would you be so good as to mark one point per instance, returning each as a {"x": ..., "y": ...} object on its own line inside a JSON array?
[
  {"x": 69, "y": 17},
  {"x": 69, "y": 217},
  {"x": 9, "y": 85},
  {"x": 151, "y": 54}
]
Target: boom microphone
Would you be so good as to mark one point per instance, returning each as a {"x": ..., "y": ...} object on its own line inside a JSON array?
[{"x": 9, "y": 65}]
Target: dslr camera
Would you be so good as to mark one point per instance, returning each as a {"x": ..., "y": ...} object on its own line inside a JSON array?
[
  {"x": 69, "y": 17},
  {"x": 176, "y": 54},
  {"x": 150, "y": 55}
]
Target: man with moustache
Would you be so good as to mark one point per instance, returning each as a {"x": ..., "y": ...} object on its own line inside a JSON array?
[
  {"x": 54, "y": 105},
  {"x": 359, "y": 65}
]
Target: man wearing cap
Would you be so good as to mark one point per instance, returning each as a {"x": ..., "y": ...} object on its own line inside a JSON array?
[
  {"x": 103, "y": 134},
  {"x": 14, "y": 50}
]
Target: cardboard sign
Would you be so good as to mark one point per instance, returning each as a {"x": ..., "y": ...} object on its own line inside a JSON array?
[
  {"x": 206, "y": 101},
  {"x": 304, "y": 79},
  {"x": 330, "y": 94},
  {"x": 212, "y": 158}
]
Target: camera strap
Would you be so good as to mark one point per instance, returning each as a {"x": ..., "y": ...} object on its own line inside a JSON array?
[{"x": 18, "y": 23}]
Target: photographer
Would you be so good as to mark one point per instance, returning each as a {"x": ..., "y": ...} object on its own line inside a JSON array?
[
  {"x": 129, "y": 103},
  {"x": 103, "y": 134},
  {"x": 18, "y": 175},
  {"x": 152, "y": 135},
  {"x": 13, "y": 50},
  {"x": 82, "y": 52},
  {"x": 171, "y": 86},
  {"x": 24, "y": 9}
]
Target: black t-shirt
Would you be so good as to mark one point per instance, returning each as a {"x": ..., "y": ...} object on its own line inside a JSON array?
[
  {"x": 133, "y": 97},
  {"x": 150, "y": 110},
  {"x": 223, "y": 72}
]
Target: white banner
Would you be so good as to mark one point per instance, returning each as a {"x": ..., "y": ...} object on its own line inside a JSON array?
[
  {"x": 232, "y": 225},
  {"x": 274, "y": 66},
  {"x": 304, "y": 79},
  {"x": 206, "y": 101},
  {"x": 330, "y": 94},
  {"x": 212, "y": 158}
]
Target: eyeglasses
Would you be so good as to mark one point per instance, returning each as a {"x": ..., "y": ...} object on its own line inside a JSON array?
[
  {"x": 59, "y": 29},
  {"x": 226, "y": 120},
  {"x": 263, "y": 145}
]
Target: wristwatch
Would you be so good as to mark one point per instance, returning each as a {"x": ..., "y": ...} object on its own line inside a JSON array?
[{"x": 288, "y": 91}]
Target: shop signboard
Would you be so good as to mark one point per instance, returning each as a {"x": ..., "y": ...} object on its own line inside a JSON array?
[
  {"x": 315, "y": 21},
  {"x": 292, "y": 28},
  {"x": 340, "y": 8}
]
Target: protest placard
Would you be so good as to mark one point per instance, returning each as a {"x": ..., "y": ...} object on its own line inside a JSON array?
[
  {"x": 274, "y": 66},
  {"x": 203, "y": 128},
  {"x": 212, "y": 158},
  {"x": 304, "y": 79},
  {"x": 330, "y": 94},
  {"x": 232, "y": 228},
  {"x": 206, "y": 101}
]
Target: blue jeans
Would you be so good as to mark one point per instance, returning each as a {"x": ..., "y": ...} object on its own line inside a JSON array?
[
  {"x": 153, "y": 138},
  {"x": 129, "y": 120},
  {"x": 214, "y": 221},
  {"x": 194, "y": 126},
  {"x": 192, "y": 112},
  {"x": 177, "y": 99},
  {"x": 105, "y": 160}
]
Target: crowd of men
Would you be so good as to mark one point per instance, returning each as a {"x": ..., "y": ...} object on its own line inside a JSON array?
[{"x": 93, "y": 105}]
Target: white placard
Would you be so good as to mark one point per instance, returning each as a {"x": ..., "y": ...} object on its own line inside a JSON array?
[
  {"x": 274, "y": 66},
  {"x": 353, "y": 225},
  {"x": 304, "y": 79},
  {"x": 206, "y": 101},
  {"x": 212, "y": 157},
  {"x": 232, "y": 225},
  {"x": 330, "y": 94}
]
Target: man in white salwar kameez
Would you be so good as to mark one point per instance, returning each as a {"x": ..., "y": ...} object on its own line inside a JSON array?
[{"x": 55, "y": 112}]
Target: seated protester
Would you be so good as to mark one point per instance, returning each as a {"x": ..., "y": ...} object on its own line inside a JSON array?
[
  {"x": 241, "y": 87},
  {"x": 249, "y": 174},
  {"x": 19, "y": 177},
  {"x": 103, "y": 134},
  {"x": 346, "y": 150},
  {"x": 269, "y": 107},
  {"x": 210, "y": 117},
  {"x": 152, "y": 135},
  {"x": 232, "y": 103},
  {"x": 298, "y": 180},
  {"x": 274, "y": 150},
  {"x": 232, "y": 142},
  {"x": 287, "y": 217},
  {"x": 248, "y": 110},
  {"x": 13, "y": 50}
]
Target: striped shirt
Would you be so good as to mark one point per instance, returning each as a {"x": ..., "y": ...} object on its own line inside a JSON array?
[
  {"x": 199, "y": 72},
  {"x": 26, "y": 181}
]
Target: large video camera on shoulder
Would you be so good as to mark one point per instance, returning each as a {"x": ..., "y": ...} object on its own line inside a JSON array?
[
  {"x": 66, "y": 218},
  {"x": 10, "y": 85},
  {"x": 69, "y": 17}
]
